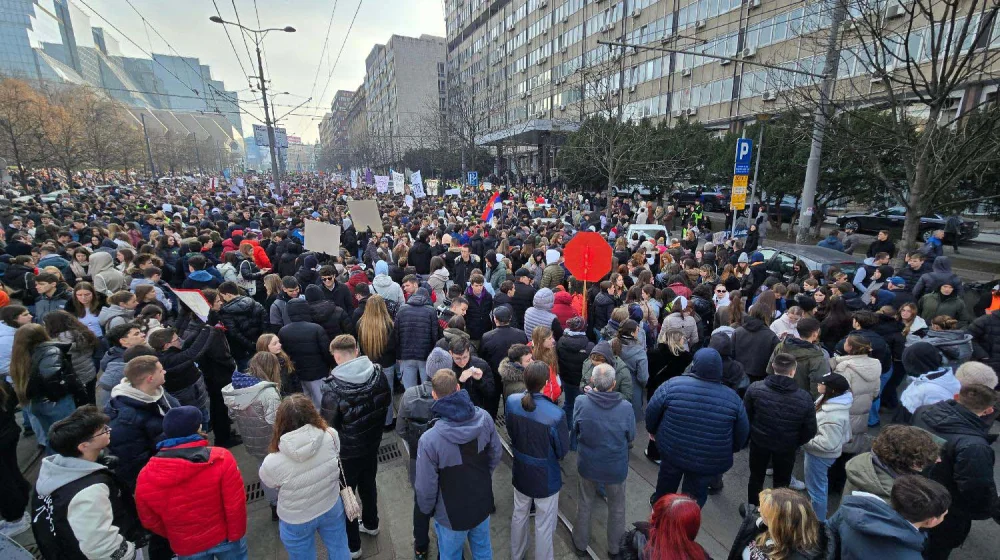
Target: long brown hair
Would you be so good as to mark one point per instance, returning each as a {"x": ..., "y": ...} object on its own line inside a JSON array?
[
  {"x": 536, "y": 375},
  {"x": 26, "y": 339},
  {"x": 264, "y": 340},
  {"x": 95, "y": 302},
  {"x": 791, "y": 523},
  {"x": 295, "y": 411},
  {"x": 266, "y": 366},
  {"x": 374, "y": 327},
  {"x": 538, "y": 350},
  {"x": 57, "y": 322}
]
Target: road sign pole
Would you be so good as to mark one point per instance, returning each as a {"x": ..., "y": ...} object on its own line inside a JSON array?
[{"x": 756, "y": 171}]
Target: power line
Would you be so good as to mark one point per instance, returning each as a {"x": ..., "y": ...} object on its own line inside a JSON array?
[
  {"x": 322, "y": 51},
  {"x": 231, "y": 44},
  {"x": 344, "y": 43}
]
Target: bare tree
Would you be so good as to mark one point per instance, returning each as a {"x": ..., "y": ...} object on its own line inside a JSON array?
[{"x": 22, "y": 125}]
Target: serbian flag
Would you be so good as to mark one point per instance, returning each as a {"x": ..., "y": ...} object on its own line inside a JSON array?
[{"x": 493, "y": 207}]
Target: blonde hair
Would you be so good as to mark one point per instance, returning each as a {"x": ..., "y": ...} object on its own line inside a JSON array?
[
  {"x": 374, "y": 327},
  {"x": 791, "y": 523},
  {"x": 266, "y": 366},
  {"x": 272, "y": 284},
  {"x": 676, "y": 341}
]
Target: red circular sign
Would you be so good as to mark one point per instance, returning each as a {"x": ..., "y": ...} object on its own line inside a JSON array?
[{"x": 588, "y": 256}]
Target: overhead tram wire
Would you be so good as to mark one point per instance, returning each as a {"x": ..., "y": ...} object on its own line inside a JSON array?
[
  {"x": 322, "y": 51},
  {"x": 235, "y": 52},
  {"x": 329, "y": 78},
  {"x": 245, "y": 46},
  {"x": 143, "y": 51}
]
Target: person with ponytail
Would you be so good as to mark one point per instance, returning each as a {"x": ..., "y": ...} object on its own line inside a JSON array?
[
  {"x": 833, "y": 423},
  {"x": 669, "y": 534},
  {"x": 540, "y": 438}
]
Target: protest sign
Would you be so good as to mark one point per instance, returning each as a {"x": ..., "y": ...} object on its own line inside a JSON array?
[
  {"x": 354, "y": 178},
  {"x": 365, "y": 214},
  {"x": 409, "y": 201},
  {"x": 417, "y": 185},
  {"x": 382, "y": 184},
  {"x": 453, "y": 192},
  {"x": 322, "y": 237},
  {"x": 193, "y": 300}
]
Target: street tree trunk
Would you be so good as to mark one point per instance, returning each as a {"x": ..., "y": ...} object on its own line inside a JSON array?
[{"x": 915, "y": 205}]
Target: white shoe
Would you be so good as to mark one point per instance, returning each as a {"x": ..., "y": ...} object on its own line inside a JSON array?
[
  {"x": 797, "y": 484},
  {"x": 769, "y": 471},
  {"x": 15, "y": 528},
  {"x": 367, "y": 531},
  {"x": 356, "y": 553}
]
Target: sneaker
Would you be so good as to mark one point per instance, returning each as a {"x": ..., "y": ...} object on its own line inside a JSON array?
[
  {"x": 417, "y": 555},
  {"x": 769, "y": 471},
  {"x": 356, "y": 553},
  {"x": 655, "y": 460},
  {"x": 715, "y": 486},
  {"x": 797, "y": 484},
  {"x": 15, "y": 528},
  {"x": 367, "y": 531}
]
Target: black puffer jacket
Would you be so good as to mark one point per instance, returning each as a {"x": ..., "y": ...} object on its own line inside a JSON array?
[
  {"x": 355, "y": 399},
  {"x": 600, "y": 313},
  {"x": 244, "y": 320},
  {"x": 328, "y": 314},
  {"x": 572, "y": 350},
  {"x": 524, "y": 297},
  {"x": 477, "y": 316},
  {"x": 755, "y": 342},
  {"x": 306, "y": 343},
  {"x": 782, "y": 416},
  {"x": 419, "y": 257},
  {"x": 416, "y": 328},
  {"x": 985, "y": 333},
  {"x": 494, "y": 345}
]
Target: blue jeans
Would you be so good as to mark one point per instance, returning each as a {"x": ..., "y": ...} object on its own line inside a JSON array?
[
  {"x": 571, "y": 392},
  {"x": 873, "y": 418},
  {"x": 817, "y": 482},
  {"x": 669, "y": 479},
  {"x": 45, "y": 413},
  {"x": 413, "y": 372},
  {"x": 226, "y": 550},
  {"x": 300, "y": 539},
  {"x": 390, "y": 376},
  {"x": 450, "y": 542}
]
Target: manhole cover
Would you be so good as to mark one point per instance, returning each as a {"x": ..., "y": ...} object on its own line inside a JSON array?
[
  {"x": 389, "y": 452},
  {"x": 254, "y": 492}
]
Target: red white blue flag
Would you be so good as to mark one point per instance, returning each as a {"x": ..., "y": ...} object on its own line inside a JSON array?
[{"x": 493, "y": 207}]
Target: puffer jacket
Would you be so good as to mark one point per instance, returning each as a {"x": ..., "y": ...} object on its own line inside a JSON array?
[
  {"x": 419, "y": 257},
  {"x": 985, "y": 333},
  {"x": 867, "y": 473},
  {"x": 833, "y": 428},
  {"x": 562, "y": 307},
  {"x": 699, "y": 422},
  {"x": 306, "y": 343},
  {"x": 862, "y": 373},
  {"x": 552, "y": 276},
  {"x": 930, "y": 388},
  {"x": 136, "y": 427},
  {"x": 600, "y": 312},
  {"x": 572, "y": 350},
  {"x": 355, "y": 400},
  {"x": 244, "y": 320},
  {"x": 57, "y": 302},
  {"x": 252, "y": 403},
  {"x": 523, "y": 299},
  {"x": 781, "y": 414},
  {"x": 477, "y": 316},
  {"x": 540, "y": 439},
  {"x": 82, "y": 355},
  {"x": 755, "y": 343},
  {"x": 438, "y": 281},
  {"x": 328, "y": 314},
  {"x": 540, "y": 313},
  {"x": 684, "y": 323},
  {"x": 417, "y": 328},
  {"x": 306, "y": 473},
  {"x": 934, "y": 304},
  {"x": 193, "y": 495}
]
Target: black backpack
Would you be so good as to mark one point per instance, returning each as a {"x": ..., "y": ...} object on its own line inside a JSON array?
[
  {"x": 417, "y": 426},
  {"x": 64, "y": 382}
]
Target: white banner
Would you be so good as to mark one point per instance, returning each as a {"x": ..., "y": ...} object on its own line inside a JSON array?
[
  {"x": 354, "y": 178},
  {"x": 417, "y": 185},
  {"x": 382, "y": 184},
  {"x": 398, "y": 182},
  {"x": 322, "y": 237},
  {"x": 453, "y": 192}
]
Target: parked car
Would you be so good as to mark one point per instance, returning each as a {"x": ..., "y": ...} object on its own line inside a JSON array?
[
  {"x": 633, "y": 189},
  {"x": 780, "y": 258},
  {"x": 892, "y": 219},
  {"x": 713, "y": 199},
  {"x": 651, "y": 231}
]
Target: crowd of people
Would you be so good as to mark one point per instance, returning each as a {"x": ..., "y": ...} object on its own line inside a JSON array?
[{"x": 881, "y": 382}]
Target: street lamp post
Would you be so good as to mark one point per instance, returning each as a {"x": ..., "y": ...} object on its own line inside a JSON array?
[{"x": 258, "y": 38}]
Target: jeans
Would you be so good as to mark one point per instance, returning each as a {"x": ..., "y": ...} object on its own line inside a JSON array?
[
  {"x": 669, "y": 479},
  {"x": 546, "y": 515},
  {"x": 873, "y": 418},
  {"x": 300, "y": 539},
  {"x": 46, "y": 413},
  {"x": 226, "y": 550},
  {"x": 616, "y": 513},
  {"x": 783, "y": 462},
  {"x": 390, "y": 377},
  {"x": 413, "y": 372},
  {"x": 360, "y": 474},
  {"x": 196, "y": 395},
  {"x": 817, "y": 482},
  {"x": 313, "y": 390},
  {"x": 451, "y": 542},
  {"x": 571, "y": 392}
]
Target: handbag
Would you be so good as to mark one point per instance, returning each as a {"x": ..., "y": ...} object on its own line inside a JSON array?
[{"x": 352, "y": 507}]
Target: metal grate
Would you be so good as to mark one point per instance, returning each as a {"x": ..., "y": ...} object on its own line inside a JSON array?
[
  {"x": 254, "y": 492},
  {"x": 33, "y": 549},
  {"x": 501, "y": 421},
  {"x": 389, "y": 452}
]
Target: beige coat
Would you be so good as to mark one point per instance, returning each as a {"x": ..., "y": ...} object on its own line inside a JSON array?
[{"x": 862, "y": 372}]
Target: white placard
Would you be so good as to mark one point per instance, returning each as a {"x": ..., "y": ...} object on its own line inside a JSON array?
[
  {"x": 382, "y": 184},
  {"x": 398, "y": 182},
  {"x": 354, "y": 178},
  {"x": 193, "y": 300},
  {"x": 417, "y": 185},
  {"x": 453, "y": 192},
  {"x": 322, "y": 237},
  {"x": 409, "y": 201},
  {"x": 365, "y": 214}
]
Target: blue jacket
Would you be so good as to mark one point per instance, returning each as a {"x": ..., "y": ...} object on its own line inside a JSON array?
[
  {"x": 540, "y": 440},
  {"x": 456, "y": 458},
  {"x": 831, "y": 242},
  {"x": 136, "y": 427},
  {"x": 605, "y": 428},
  {"x": 699, "y": 422},
  {"x": 416, "y": 329},
  {"x": 6, "y": 347},
  {"x": 867, "y": 527}
]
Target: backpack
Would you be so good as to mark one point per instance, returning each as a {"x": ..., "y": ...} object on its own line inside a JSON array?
[
  {"x": 416, "y": 426},
  {"x": 64, "y": 382}
]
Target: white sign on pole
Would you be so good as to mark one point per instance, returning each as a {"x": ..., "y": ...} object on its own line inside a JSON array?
[
  {"x": 409, "y": 201},
  {"x": 354, "y": 178},
  {"x": 213, "y": 183},
  {"x": 260, "y": 135},
  {"x": 382, "y": 184},
  {"x": 322, "y": 237},
  {"x": 417, "y": 185},
  {"x": 398, "y": 182},
  {"x": 193, "y": 300},
  {"x": 365, "y": 214}
]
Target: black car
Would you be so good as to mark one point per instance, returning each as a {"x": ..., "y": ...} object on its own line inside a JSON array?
[
  {"x": 780, "y": 258},
  {"x": 713, "y": 199},
  {"x": 892, "y": 219}
]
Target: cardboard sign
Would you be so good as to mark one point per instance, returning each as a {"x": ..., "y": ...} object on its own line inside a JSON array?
[
  {"x": 382, "y": 184},
  {"x": 365, "y": 214},
  {"x": 193, "y": 300},
  {"x": 322, "y": 237},
  {"x": 417, "y": 185}
]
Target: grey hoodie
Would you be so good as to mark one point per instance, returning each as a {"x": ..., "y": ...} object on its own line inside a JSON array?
[
  {"x": 114, "y": 315},
  {"x": 357, "y": 371},
  {"x": 389, "y": 290}
]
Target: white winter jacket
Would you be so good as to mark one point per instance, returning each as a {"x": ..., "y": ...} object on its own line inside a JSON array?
[
  {"x": 306, "y": 472},
  {"x": 833, "y": 423},
  {"x": 863, "y": 373},
  {"x": 930, "y": 388}
]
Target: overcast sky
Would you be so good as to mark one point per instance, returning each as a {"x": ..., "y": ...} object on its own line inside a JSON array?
[{"x": 292, "y": 59}]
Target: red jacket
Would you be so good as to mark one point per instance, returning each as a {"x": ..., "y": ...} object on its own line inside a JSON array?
[
  {"x": 563, "y": 307},
  {"x": 194, "y": 497},
  {"x": 259, "y": 254}
]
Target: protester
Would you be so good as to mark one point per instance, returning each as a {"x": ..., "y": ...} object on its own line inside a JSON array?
[
  {"x": 897, "y": 451},
  {"x": 783, "y": 526},
  {"x": 308, "y": 346},
  {"x": 833, "y": 424},
  {"x": 417, "y": 324},
  {"x": 670, "y": 533}
]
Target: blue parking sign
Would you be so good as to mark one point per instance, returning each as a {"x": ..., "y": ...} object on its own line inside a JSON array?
[
  {"x": 473, "y": 178},
  {"x": 744, "y": 152}
]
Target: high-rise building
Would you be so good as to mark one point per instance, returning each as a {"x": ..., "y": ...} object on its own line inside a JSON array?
[{"x": 333, "y": 132}]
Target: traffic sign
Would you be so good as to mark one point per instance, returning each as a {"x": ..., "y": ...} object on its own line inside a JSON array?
[
  {"x": 738, "y": 198},
  {"x": 744, "y": 151},
  {"x": 473, "y": 178},
  {"x": 741, "y": 181}
]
